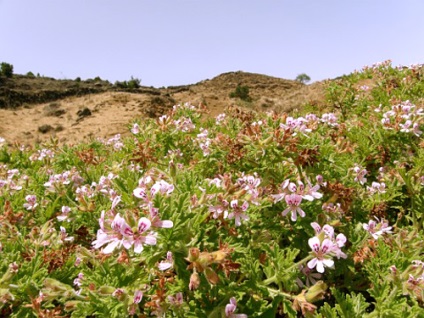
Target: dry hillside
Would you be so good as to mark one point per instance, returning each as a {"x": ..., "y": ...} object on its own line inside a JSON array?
[{"x": 35, "y": 109}]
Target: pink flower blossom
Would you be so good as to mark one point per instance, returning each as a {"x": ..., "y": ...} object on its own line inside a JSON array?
[
  {"x": 377, "y": 229},
  {"x": 293, "y": 201},
  {"x": 138, "y": 296},
  {"x": 238, "y": 212},
  {"x": 231, "y": 308},
  {"x": 176, "y": 300},
  {"x": 31, "y": 203},
  {"x": 135, "y": 129},
  {"x": 321, "y": 251},
  {"x": 360, "y": 174},
  {"x": 168, "y": 263}
]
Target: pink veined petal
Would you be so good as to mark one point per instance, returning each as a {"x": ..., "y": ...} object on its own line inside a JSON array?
[
  {"x": 278, "y": 197},
  {"x": 326, "y": 246},
  {"x": 237, "y": 219},
  {"x": 234, "y": 204},
  {"x": 150, "y": 240},
  {"x": 102, "y": 239},
  {"x": 316, "y": 227},
  {"x": 127, "y": 243},
  {"x": 301, "y": 212},
  {"x": 312, "y": 263},
  {"x": 308, "y": 197},
  {"x": 284, "y": 213},
  {"x": 143, "y": 225},
  {"x": 341, "y": 240},
  {"x": 314, "y": 243},
  {"x": 116, "y": 201},
  {"x": 329, "y": 230},
  {"x": 163, "y": 266},
  {"x": 245, "y": 206},
  {"x": 126, "y": 229},
  {"x": 111, "y": 246},
  {"x": 139, "y": 193},
  {"x": 138, "y": 296},
  {"x": 166, "y": 224},
  {"x": 117, "y": 223}
]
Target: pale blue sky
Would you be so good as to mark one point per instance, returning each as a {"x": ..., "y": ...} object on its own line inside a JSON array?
[{"x": 173, "y": 42}]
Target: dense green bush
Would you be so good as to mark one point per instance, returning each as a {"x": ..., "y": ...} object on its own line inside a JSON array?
[
  {"x": 133, "y": 83},
  {"x": 241, "y": 92},
  {"x": 6, "y": 69}
]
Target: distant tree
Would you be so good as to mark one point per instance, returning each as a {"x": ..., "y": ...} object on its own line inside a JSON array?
[
  {"x": 30, "y": 74},
  {"x": 241, "y": 92},
  {"x": 303, "y": 78},
  {"x": 6, "y": 69}
]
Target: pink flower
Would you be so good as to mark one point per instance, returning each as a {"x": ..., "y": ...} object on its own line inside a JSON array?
[
  {"x": 293, "y": 201},
  {"x": 176, "y": 300},
  {"x": 168, "y": 263},
  {"x": 238, "y": 212},
  {"x": 138, "y": 296},
  {"x": 135, "y": 129},
  {"x": 31, "y": 203},
  {"x": 321, "y": 251},
  {"x": 142, "y": 236},
  {"x": 155, "y": 219},
  {"x": 161, "y": 187},
  {"x": 360, "y": 174},
  {"x": 231, "y": 308},
  {"x": 377, "y": 229}
]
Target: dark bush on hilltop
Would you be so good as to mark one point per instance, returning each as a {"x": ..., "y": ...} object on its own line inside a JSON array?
[
  {"x": 241, "y": 92},
  {"x": 133, "y": 83},
  {"x": 30, "y": 74},
  {"x": 6, "y": 69}
]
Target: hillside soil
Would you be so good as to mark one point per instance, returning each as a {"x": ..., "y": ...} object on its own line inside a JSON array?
[{"x": 33, "y": 110}]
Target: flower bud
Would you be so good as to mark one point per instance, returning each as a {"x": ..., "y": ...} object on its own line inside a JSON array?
[
  {"x": 71, "y": 305},
  {"x": 316, "y": 292},
  {"x": 56, "y": 286},
  {"x": 106, "y": 290},
  {"x": 211, "y": 276},
  {"x": 193, "y": 254},
  {"x": 194, "y": 281}
]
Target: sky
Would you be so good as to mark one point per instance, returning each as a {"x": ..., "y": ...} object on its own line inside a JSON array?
[{"x": 178, "y": 42}]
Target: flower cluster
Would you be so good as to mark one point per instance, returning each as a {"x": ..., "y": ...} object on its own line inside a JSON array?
[
  {"x": 325, "y": 246},
  {"x": 377, "y": 228},
  {"x": 116, "y": 233},
  {"x": 293, "y": 195},
  {"x": 403, "y": 117}
]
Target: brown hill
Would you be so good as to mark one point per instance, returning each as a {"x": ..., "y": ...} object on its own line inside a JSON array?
[{"x": 34, "y": 109}]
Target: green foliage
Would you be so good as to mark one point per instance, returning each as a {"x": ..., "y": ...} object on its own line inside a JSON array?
[
  {"x": 303, "y": 78},
  {"x": 6, "y": 69},
  {"x": 241, "y": 92},
  {"x": 201, "y": 175},
  {"x": 132, "y": 84}
]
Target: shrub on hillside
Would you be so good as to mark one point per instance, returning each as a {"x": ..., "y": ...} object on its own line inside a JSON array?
[
  {"x": 133, "y": 83},
  {"x": 241, "y": 92},
  {"x": 6, "y": 69}
]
